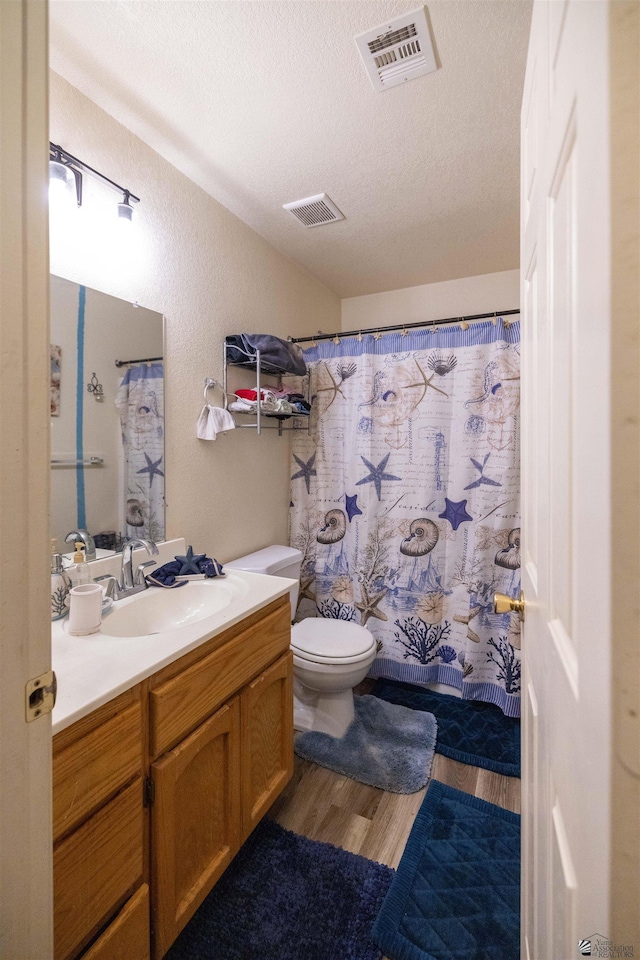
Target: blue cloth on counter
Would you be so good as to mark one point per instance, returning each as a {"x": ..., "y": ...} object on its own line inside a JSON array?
[{"x": 165, "y": 576}]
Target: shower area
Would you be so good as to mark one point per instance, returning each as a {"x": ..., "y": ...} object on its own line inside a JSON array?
[{"x": 405, "y": 500}]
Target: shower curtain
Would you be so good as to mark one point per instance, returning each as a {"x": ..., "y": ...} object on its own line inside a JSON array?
[
  {"x": 140, "y": 404},
  {"x": 405, "y": 502}
]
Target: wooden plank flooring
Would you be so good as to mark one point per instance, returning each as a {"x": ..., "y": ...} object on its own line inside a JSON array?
[{"x": 324, "y": 805}]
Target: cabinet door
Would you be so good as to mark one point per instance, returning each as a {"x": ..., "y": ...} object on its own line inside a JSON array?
[
  {"x": 267, "y": 740},
  {"x": 195, "y": 821}
]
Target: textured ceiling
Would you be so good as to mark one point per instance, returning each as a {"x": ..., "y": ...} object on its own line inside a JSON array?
[{"x": 261, "y": 103}]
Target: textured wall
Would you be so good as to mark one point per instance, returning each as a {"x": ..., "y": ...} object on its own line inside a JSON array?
[
  {"x": 434, "y": 301},
  {"x": 210, "y": 275}
]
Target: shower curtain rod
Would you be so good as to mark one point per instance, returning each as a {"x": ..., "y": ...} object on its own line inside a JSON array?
[
  {"x": 404, "y": 326},
  {"x": 125, "y": 363}
]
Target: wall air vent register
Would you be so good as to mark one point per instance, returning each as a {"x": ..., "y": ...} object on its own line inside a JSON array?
[{"x": 398, "y": 50}]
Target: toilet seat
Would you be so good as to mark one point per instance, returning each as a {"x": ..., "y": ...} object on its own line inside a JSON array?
[{"x": 320, "y": 640}]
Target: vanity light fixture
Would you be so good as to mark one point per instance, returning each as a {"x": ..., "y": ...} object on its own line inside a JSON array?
[
  {"x": 63, "y": 178},
  {"x": 64, "y": 169},
  {"x": 125, "y": 210}
]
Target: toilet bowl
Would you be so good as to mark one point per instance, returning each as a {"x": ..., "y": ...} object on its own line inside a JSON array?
[{"x": 330, "y": 657}]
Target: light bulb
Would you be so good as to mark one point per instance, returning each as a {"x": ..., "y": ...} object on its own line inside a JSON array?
[
  {"x": 61, "y": 182},
  {"x": 125, "y": 211}
]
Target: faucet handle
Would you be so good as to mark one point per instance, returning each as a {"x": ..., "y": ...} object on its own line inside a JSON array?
[
  {"x": 140, "y": 576},
  {"x": 111, "y": 587}
]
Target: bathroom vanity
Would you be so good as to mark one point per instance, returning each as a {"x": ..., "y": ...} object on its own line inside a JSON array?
[{"x": 156, "y": 788}]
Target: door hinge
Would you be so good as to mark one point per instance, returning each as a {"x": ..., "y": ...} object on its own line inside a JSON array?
[
  {"x": 148, "y": 791},
  {"x": 40, "y": 695}
]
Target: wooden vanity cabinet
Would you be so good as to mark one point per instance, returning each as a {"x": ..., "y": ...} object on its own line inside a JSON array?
[
  {"x": 155, "y": 792},
  {"x": 214, "y": 785}
]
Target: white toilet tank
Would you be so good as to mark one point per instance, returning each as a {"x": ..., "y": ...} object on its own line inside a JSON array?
[{"x": 275, "y": 561}]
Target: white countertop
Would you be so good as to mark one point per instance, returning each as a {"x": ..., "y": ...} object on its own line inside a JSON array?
[{"x": 93, "y": 670}]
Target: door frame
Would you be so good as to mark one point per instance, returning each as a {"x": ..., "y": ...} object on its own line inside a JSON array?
[{"x": 26, "y": 918}]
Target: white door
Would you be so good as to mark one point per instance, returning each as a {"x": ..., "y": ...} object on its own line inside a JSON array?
[
  {"x": 566, "y": 286},
  {"x": 26, "y": 924}
]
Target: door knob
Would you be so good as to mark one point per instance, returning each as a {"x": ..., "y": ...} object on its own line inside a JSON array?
[{"x": 504, "y": 604}]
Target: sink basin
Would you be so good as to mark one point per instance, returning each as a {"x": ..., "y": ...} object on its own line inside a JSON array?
[{"x": 158, "y": 611}]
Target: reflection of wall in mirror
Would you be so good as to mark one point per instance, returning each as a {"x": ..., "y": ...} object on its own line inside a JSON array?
[{"x": 113, "y": 329}]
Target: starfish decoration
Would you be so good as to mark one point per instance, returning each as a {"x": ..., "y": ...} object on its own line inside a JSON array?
[
  {"x": 425, "y": 383},
  {"x": 345, "y": 372},
  {"x": 305, "y": 589},
  {"x": 455, "y": 513},
  {"x": 482, "y": 479},
  {"x": 190, "y": 563},
  {"x": 472, "y": 635},
  {"x": 306, "y": 471},
  {"x": 353, "y": 510},
  {"x": 377, "y": 475},
  {"x": 368, "y": 605},
  {"x": 152, "y": 468}
]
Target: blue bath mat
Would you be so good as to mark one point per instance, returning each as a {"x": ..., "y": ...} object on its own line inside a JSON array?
[
  {"x": 457, "y": 890},
  {"x": 285, "y": 897},
  {"x": 386, "y": 746},
  {"x": 469, "y": 731}
]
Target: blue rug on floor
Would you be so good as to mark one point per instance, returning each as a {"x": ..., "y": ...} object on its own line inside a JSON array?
[
  {"x": 285, "y": 897},
  {"x": 456, "y": 895},
  {"x": 469, "y": 731},
  {"x": 387, "y": 746}
]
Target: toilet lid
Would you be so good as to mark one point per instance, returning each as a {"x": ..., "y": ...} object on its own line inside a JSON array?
[{"x": 330, "y": 639}]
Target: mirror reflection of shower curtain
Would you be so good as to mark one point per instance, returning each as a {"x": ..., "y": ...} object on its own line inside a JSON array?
[{"x": 140, "y": 404}]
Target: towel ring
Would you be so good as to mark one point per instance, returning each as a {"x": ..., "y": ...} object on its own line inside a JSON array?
[{"x": 209, "y": 382}]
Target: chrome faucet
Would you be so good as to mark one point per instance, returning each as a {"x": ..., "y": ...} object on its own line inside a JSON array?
[
  {"x": 131, "y": 582},
  {"x": 87, "y": 539},
  {"x": 128, "y": 580}
]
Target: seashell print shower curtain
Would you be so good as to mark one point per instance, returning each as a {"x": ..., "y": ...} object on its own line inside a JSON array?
[
  {"x": 140, "y": 404},
  {"x": 405, "y": 499}
]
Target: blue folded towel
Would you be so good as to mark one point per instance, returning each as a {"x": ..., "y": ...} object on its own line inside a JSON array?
[{"x": 166, "y": 576}]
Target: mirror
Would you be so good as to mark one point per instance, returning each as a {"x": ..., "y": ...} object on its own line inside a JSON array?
[{"x": 107, "y": 421}]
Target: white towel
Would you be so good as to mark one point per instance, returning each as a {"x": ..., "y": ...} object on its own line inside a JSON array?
[{"x": 212, "y": 421}]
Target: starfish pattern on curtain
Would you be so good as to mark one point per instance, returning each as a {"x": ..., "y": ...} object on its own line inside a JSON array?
[
  {"x": 405, "y": 502},
  {"x": 140, "y": 404}
]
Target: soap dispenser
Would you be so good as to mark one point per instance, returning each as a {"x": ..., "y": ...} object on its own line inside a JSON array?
[
  {"x": 60, "y": 585},
  {"x": 79, "y": 571}
]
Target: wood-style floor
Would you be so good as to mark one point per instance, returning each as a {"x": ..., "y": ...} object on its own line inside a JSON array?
[{"x": 324, "y": 805}]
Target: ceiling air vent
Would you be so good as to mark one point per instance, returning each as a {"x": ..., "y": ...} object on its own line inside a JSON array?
[
  {"x": 398, "y": 50},
  {"x": 314, "y": 211}
]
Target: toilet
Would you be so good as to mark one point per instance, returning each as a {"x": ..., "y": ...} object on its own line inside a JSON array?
[{"x": 330, "y": 657}]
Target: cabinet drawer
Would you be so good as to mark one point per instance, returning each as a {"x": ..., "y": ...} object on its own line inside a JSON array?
[
  {"x": 93, "y": 767},
  {"x": 95, "y": 868},
  {"x": 127, "y": 936},
  {"x": 180, "y": 704}
]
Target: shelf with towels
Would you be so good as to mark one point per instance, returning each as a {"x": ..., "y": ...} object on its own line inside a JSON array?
[{"x": 255, "y": 362}]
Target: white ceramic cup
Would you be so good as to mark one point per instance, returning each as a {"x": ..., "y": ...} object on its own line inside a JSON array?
[{"x": 85, "y": 609}]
